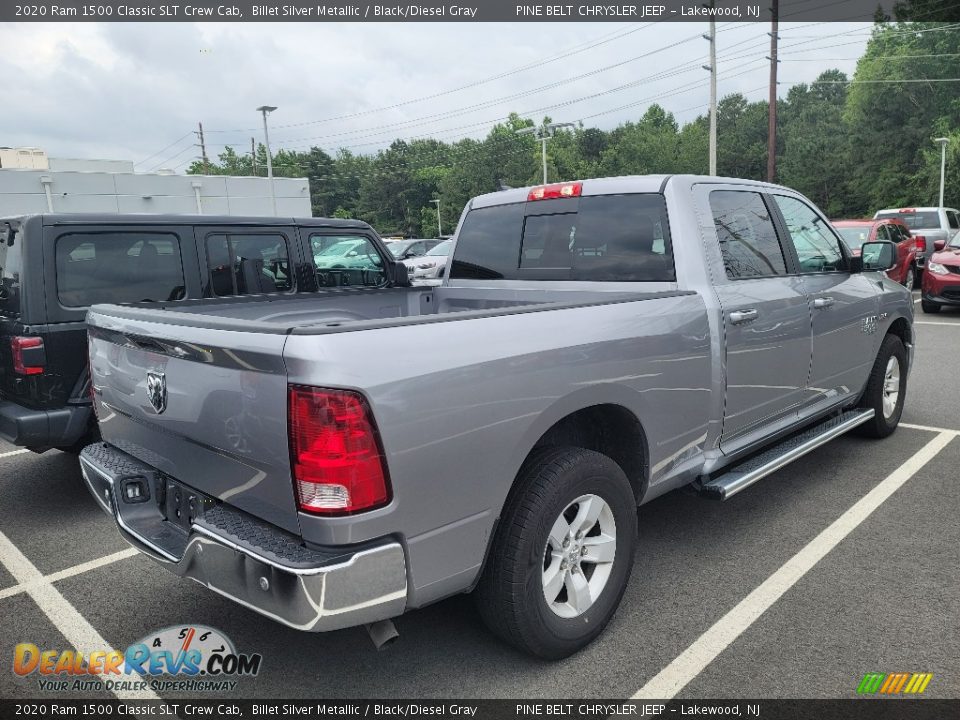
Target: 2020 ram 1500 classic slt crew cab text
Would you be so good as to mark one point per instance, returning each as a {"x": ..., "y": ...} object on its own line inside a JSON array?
[{"x": 336, "y": 459}]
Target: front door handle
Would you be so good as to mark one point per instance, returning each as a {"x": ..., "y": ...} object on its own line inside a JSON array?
[
  {"x": 742, "y": 316},
  {"x": 822, "y": 302}
]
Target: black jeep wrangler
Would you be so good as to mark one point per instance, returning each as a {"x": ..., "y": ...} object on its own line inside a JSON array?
[{"x": 53, "y": 267}]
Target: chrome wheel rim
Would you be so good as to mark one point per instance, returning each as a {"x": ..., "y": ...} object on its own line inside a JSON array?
[
  {"x": 578, "y": 556},
  {"x": 891, "y": 387}
]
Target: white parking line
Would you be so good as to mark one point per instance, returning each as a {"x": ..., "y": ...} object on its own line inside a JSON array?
[
  {"x": 928, "y": 322},
  {"x": 69, "y": 572},
  {"x": 21, "y": 451},
  {"x": 64, "y": 616},
  {"x": 691, "y": 662},
  {"x": 928, "y": 428}
]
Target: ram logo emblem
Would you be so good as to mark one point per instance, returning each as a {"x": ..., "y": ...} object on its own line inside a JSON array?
[{"x": 157, "y": 390}]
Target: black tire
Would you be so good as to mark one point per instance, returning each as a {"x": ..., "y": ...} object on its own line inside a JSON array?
[
  {"x": 930, "y": 308},
  {"x": 882, "y": 425},
  {"x": 910, "y": 280},
  {"x": 917, "y": 278},
  {"x": 510, "y": 595}
]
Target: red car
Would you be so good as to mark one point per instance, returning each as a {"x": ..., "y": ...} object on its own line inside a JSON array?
[
  {"x": 856, "y": 232},
  {"x": 941, "y": 281}
]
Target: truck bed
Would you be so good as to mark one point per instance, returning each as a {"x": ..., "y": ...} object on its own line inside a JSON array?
[{"x": 367, "y": 308}]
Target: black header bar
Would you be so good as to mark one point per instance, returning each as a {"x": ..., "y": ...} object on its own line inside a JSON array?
[{"x": 325, "y": 11}]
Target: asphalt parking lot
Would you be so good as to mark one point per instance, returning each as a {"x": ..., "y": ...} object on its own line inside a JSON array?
[{"x": 841, "y": 564}]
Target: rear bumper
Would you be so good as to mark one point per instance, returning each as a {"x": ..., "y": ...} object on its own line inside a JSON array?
[
  {"x": 43, "y": 428},
  {"x": 249, "y": 561}
]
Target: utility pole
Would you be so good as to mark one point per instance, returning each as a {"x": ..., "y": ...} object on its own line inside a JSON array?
[
  {"x": 543, "y": 133},
  {"x": 266, "y": 109},
  {"x": 772, "y": 120},
  {"x": 439, "y": 225},
  {"x": 253, "y": 155},
  {"x": 203, "y": 150},
  {"x": 712, "y": 67},
  {"x": 942, "y": 142}
]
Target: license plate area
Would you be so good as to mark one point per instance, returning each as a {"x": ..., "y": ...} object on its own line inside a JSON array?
[{"x": 180, "y": 505}]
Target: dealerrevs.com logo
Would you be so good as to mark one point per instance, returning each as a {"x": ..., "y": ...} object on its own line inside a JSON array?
[{"x": 200, "y": 658}]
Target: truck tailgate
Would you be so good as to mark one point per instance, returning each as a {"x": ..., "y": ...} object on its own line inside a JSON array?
[{"x": 206, "y": 407}]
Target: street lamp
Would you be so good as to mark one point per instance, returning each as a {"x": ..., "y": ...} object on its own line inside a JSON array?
[
  {"x": 942, "y": 141},
  {"x": 439, "y": 226},
  {"x": 265, "y": 109},
  {"x": 544, "y": 132}
]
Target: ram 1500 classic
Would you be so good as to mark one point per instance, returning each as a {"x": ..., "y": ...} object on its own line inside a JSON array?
[{"x": 336, "y": 459}]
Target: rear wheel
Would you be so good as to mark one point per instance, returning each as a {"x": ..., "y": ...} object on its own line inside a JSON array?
[
  {"x": 886, "y": 389},
  {"x": 562, "y": 555},
  {"x": 910, "y": 278},
  {"x": 930, "y": 308}
]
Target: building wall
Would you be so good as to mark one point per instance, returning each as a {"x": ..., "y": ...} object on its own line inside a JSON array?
[
  {"x": 24, "y": 157},
  {"x": 22, "y": 191}
]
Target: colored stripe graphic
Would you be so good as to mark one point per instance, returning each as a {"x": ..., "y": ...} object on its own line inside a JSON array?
[{"x": 894, "y": 683}]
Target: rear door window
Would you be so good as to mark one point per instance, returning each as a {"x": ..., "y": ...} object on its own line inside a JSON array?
[
  {"x": 248, "y": 264},
  {"x": 748, "y": 239},
  {"x": 118, "y": 267},
  {"x": 607, "y": 238},
  {"x": 952, "y": 219}
]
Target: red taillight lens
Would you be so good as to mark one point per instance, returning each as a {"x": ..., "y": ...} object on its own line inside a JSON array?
[
  {"x": 338, "y": 467},
  {"x": 557, "y": 190},
  {"x": 28, "y": 355},
  {"x": 920, "y": 242}
]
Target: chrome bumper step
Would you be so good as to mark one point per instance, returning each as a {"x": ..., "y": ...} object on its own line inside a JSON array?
[{"x": 757, "y": 467}]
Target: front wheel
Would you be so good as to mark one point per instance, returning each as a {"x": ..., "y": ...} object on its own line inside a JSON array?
[
  {"x": 886, "y": 389},
  {"x": 562, "y": 555}
]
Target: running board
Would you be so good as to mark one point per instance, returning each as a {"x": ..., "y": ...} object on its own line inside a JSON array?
[{"x": 742, "y": 476}]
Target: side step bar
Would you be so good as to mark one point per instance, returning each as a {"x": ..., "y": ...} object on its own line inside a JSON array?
[{"x": 755, "y": 468}]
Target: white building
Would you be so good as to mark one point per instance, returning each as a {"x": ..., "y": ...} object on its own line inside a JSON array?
[{"x": 32, "y": 182}]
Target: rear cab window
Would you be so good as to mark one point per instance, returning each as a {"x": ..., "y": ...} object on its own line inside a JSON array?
[
  {"x": 118, "y": 267},
  {"x": 605, "y": 238},
  {"x": 914, "y": 219}
]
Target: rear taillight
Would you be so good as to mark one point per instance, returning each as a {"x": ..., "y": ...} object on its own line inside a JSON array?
[
  {"x": 557, "y": 190},
  {"x": 920, "y": 243},
  {"x": 338, "y": 466},
  {"x": 28, "y": 355}
]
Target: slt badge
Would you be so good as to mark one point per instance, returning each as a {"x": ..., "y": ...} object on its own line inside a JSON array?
[{"x": 157, "y": 390}]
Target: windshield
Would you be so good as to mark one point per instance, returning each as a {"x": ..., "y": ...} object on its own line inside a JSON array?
[
  {"x": 442, "y": 249},
  {"x": 398, "y": 248},
  {"x": 340, "y": 248},
  {"x": 955, "y": 243},
  {"x": 854, "y": 237},
  {"x": 915, "y": 220}
]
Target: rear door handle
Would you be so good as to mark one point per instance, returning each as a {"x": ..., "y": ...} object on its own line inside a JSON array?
[
  {"x": 822, "y": 302},
  {"x": 742, "y": 316}
]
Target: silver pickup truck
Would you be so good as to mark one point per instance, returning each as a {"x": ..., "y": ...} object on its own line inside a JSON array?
[{"x": 335, "y": 459}]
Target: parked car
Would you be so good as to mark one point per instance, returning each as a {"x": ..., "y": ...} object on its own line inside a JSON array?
[
  {"x": 406, "y": 249},
  {"x": 857, "y": 232},
  {"x": 432, "y": 264},
  {"x": 53, "y": 267},
  {"x": 592, "y": 347},
  {"x": 931, "y": 223},
  {"x": 941, "y": 281}
]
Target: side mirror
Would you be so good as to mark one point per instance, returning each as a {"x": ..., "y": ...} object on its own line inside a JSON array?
[
  {"x": 399, "y": 274},
  {"x": 939, "y": 245},
  {"x": 878, "y": 256}
]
